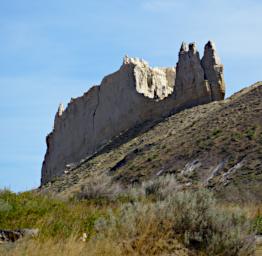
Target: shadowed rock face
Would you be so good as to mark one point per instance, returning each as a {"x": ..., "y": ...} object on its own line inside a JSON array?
[
  {"x": 213, "y": 71},
  {"x": 135, "y": 94},
  {"x": 190, "y": 78}
]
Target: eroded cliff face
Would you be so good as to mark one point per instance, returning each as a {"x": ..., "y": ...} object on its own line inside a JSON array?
[
  {"x": 135, "y": 94},
  {"x": 213, "y": 72},
  {"x": 154, "y": 83}
]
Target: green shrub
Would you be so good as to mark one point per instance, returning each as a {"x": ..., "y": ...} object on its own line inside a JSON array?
[
  {"x": 54, "y": 218},
  {"x": 161, "y": 187},
  {"x": 236, "y": 136},
  {"x": 191, "y": 217},
  {"x": 98, "y": 187},
  {"x": 156, "y": 218},
  {"x": 258, "y": 225},
  {"x": 250, "y": 133},
  {"x": 209, "y": 228},
  {"x": 216, "y": 133}
]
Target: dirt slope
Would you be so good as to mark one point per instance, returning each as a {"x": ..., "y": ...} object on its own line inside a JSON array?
[{"x": 217, "y": 145}]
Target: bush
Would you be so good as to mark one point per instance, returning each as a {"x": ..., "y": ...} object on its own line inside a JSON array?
[
  {"x": 161, "y": 187},
  {"x": 54, "y": 218},
  {"x": 99, "y": 187},
  {"x": 188, "y": 217},
  {"x": 157, "y": 189},
  {"x": 258, "y": 225},
  {"x": 157, "y": 218},
  {"x": 209, "y": 228}
]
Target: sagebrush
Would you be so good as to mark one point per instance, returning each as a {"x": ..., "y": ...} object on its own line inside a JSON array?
[{"x": 156, "y": 218}]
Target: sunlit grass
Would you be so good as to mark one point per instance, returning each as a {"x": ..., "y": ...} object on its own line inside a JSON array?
[{"x": 155, "y": 218}]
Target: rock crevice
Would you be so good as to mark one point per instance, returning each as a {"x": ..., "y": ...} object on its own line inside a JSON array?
[{"x": 96, "y": 107}]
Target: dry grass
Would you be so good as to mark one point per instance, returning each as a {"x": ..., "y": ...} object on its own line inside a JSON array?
[
  {"x": 156, "y": 218},
  {"x": 69, "y": 247},
  {"x": 259, "y": 251},
  {"x": 74, "y": 247}
]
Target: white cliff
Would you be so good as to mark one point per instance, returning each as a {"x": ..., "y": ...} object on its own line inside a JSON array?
[{"x": 135, "y": 94}]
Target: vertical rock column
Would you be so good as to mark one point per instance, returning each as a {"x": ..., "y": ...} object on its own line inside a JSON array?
[
  {"x": 213, "y": 71},
  {"x": 190, "y": 80}
]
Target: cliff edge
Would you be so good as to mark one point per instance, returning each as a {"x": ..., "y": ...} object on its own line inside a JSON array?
[{"x": 133, "y": 95}]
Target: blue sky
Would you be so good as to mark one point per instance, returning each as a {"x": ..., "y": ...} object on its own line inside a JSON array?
[{"x": 51, "y": 51}]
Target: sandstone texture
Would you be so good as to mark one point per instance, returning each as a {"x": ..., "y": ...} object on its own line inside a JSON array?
[{"x": 133, "y": 95}]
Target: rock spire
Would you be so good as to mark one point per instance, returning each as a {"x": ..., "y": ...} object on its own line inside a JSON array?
[{"x": 213, "y": 71}]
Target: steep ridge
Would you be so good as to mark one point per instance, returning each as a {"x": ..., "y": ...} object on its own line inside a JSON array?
[
  {"x": 133, "y": 95},
  {"x": 216, "y": 145}
]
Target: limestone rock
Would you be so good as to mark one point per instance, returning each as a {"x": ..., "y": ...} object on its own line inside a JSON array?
[
  {"x": 59, "y": 112},
  {"x": 135, "y": 94},
  {"x": 213, "y": 71},
  {"x": 14, "y": 235},
  {"x": 154, "y": 83}
]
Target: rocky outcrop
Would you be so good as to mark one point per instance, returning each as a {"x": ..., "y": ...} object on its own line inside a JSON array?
[
  {"x": 213, "y": 71},
  {"x": 135, "y": 94},
  {"x": 14, "y": 235},
  {"x": 190, "y": 80},
  {"x": 154, "y": 83}
]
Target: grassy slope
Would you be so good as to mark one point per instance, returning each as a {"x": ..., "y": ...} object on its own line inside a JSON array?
[
  {"x": 218, "y": 145},
  {"x": 184, "y": 224},
  {"x": 218, "y": 138}
]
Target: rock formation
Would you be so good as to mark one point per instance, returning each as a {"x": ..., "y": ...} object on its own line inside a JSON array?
[
  {"x": 14, "y": 235},
  {"x": 135, "y": 94},
  {"x": 190, "y": 77},
  {"x": 213, "y": 71}
]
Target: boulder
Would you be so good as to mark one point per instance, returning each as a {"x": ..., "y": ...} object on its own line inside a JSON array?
[{"x": 14, "y": 235}]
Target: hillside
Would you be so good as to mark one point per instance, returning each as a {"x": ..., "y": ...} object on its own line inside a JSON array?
[
  {"x": 217, "y": 145},
  {"x": 104, "y": 211}
]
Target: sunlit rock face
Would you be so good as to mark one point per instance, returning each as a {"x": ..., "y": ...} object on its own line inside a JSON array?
[
  {"x": 135, "y": 94},
  {"x": 154, "y": 83}
]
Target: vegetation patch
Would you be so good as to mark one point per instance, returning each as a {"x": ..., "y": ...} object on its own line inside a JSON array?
[
  {"x": 55, "y": 218},
  {"x": 258, "y": 224},
  {"x": 156, "y": 217}
]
